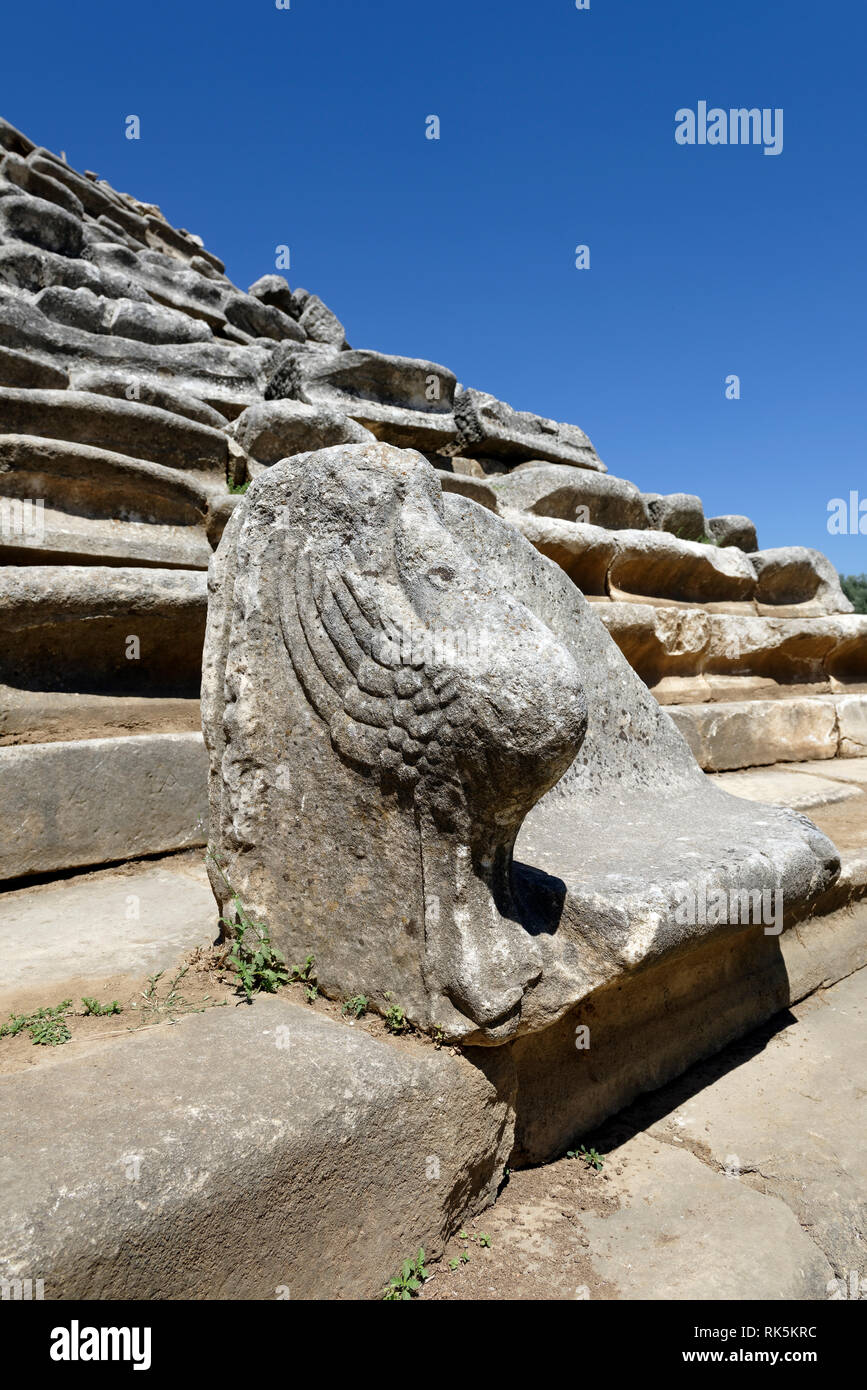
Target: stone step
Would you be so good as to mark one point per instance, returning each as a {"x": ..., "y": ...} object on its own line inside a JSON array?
[
  {"x": 102, "y": 757},
  {"x": 803, "y": 786},
  {"x": 58, "y": 716},
  {"x": 756, "y": 733},
  {"x": 666, "y": 644},
  {"x": 658, "y": 569},
  {"x": 61, "y": 500},
  {"x": 35, "y": 534},
  {"x": 100, "y": 630},
  {"x": 102, "y": 933},
  {"x": 221, "y": 374},
  {"x": 322, "y": 1157},
  {"x": 100, "y": 801},
  {"x": 125, "y": 427}
]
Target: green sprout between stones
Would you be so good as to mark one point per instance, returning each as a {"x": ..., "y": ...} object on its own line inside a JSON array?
[
  {"x": 260, "y": 967},
  {"x": 590, "y": 1157},
  {"x": 407, "y": 1282},
  {"x": 303, "y": 975},
  {"x": 396, "y": 1020}
]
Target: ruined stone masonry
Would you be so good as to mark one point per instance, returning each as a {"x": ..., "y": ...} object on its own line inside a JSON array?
[
  {"x": 460, "y": 687},
  {"x": 135, "y": 380}
]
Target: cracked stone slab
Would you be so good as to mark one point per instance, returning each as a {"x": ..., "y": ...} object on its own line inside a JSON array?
[
  {"x": 686, "y": 1231},
  {"x": 784, "y": 787},
  {"x": 851, "y": 770},
  {"x": 789, "y": 1122}
]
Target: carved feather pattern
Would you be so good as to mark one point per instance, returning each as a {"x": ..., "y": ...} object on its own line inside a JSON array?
[{"x": 384, "y": 704}]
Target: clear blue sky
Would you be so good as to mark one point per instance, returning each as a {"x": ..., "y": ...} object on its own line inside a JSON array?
[{"x": 307, "y": 127}]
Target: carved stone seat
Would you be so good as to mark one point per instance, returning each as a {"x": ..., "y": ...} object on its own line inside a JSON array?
[{"x": 396, "y": 686}]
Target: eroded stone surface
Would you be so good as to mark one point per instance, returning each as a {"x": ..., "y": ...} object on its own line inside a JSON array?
[
  {"x": 314, "y": 1169},
  {"x": 98, "y": 801},
  {"x": 346, "y": 772},
  {"x": 490, "y": 427}
]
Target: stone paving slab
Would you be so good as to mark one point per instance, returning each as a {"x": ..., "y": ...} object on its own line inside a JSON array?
[
  {"x": 743, "y": 1179},
  {"x": 100, "y": 800}
]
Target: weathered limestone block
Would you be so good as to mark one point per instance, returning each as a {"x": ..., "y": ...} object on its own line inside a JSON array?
[
  {"x": 124, "y": 318},
  {"x": 99, "y": 801},
  {"x": 94, "y": 198},
  {"x": 261, "y": 320},
  {"x": 274, "y": 289},
  {"x": 570, "y": 494},
  {"x": 756, "y": 733},
  {"x": 393, "y": 679},
  {"x": 127, "y": 427},
  {"x": 33, "y": 269},
  {"x": 121, "y": 386},
  {"x": 220, "y": 373},
  {"x": 320, "y": 324},
  {"x": 852, "y": 724},
  {"x": 474, "y": 488},
  {"x": 42, "y": 224},
  {"x": 490, "y": 427},
  {"x": 680, "y": 513},
  {"x": 60, "y": 533},
  {"x": 276, "y": 429},
  {"x": 14, "y": 140},
  {"x": 734, "y": 530},
  {"x": 402, "y": 400},
  {"x": 71, "y": 632},
  {"x": 794, "y": 574},
  {"x": 583, "y": 552},
  {"x": 79, "y": 308},
  {"x": 20, "y": 172},
  {"x": 22, "y": 369},
  {"x": 331, "y": 1128},
  {"x": 626, "y": 563},
  {"x": 661, "y": 642},
  {"x": 98, "y": 482},
  {"x": 166, "y": 280}
]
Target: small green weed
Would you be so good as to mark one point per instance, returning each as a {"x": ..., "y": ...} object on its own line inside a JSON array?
[
  {"x": 588, "y": 1156},
  {"x": 304, "y": 975},
  {"x": 396, "y": 1020},
  {"x": 260, "y": 967},
  {"x": 407, "y": 1283},
  {"x": 91, "y": 1006},
  {"x": 45, "y": 1026}
]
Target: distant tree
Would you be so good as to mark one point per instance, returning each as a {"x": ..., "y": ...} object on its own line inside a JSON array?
[{"x": 855, "y": 588}]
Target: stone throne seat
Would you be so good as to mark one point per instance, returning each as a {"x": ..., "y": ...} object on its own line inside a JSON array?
[
  {"x": 634, "y": 827},
  {"x": 362, "y": 833}
]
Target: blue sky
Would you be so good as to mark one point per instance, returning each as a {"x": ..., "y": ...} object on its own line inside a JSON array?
[{"x": 307, "y": 127}]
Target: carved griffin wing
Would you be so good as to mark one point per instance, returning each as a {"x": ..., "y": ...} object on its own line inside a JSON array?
[{"x": 384, "y": 705}]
